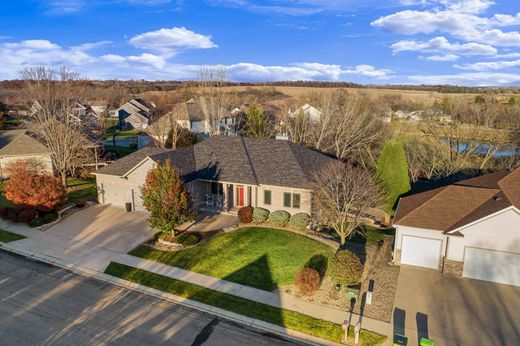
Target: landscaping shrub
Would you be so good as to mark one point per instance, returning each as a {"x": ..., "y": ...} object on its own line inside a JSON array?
[
  {"x": 81, "y": 202},
  {"x": 308, "y": 281},
  {"x": 245, "y": 214},
  {"x": 12, "y": 214},
  {"x": 186, "y": 239},
  {"x": 3, "y": 212},
  {"x": 279, "y": 217},
  {"x": 300, "y": 220},
  {"x": 44, "y": 219},
  {"x": 346, "y": 268},
  {"x": 27, "y": 215},
  {"x": 260, "y": 215}
]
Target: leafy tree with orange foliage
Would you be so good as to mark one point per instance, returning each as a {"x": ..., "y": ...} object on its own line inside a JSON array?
[
  {"x": 166, "y": 197},
  {"x": 29, "y": 186}
]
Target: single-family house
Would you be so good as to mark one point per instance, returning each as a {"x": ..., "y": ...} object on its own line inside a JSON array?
[
  {"x": 469, "y": 229},
  {"x": 309, "y": 111},
  {"x": 191, "y": 116},
  {"x": 16, "y": 145},
  {"x": 134, "y": 114},
  {"x": 222, "y": 173}
]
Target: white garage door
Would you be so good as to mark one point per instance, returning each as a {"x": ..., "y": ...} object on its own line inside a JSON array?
[
  {"x": 495, "y": 266},
  {"x": 137, "y": 200},
  {"x": 422, "y": 252}
]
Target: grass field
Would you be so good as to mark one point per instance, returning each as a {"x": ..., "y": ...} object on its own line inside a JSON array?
[
  {"x": 264, "y": 258},
  {"x": 122, "y": 151}
]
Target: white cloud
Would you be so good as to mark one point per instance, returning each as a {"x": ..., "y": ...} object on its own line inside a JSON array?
[
  {"x": 490, "y": 65},
  {"x": 169, "y": 41},
  {"x": 91, "y": 45},
  {"x": 447, "y": 57},
  {"x": 442, "y": 45},
  {"x": 460, "y": 19},
  {"x": 475, "y": 78}
]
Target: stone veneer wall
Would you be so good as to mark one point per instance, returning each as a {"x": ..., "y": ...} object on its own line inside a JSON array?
[
  {"x": 452, "y": 268},
  {"x": 397, "y": 256}
]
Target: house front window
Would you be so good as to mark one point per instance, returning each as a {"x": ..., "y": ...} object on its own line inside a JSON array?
[
  {"x": 267, "y": 197},
  {"x": 287, "y": 199},
  {"x": 291, "y": 200},
  {"x": 296, "y": 200}
]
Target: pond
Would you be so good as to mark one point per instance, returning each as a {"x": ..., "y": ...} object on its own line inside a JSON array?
[{"x": 482, "y": 148}]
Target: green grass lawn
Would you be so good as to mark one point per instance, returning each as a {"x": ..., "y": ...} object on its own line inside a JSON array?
[
  {"x": 6, "y": 237},
  {"x": 121, "y": 134},
  {"x": 81, "y": 189},
  {"x": 264, "y": 258}
]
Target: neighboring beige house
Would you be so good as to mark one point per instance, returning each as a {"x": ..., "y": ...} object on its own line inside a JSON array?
[
  {"x": 223, "y": 173},
  {"x": 469, "y": 229},
  {"x": 190, "y": 115},
  {"x": 309, "y": 111},
  {"x": 18, "y": 145}
]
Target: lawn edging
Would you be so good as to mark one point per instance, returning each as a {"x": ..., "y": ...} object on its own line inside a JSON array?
[{"x": 279, "y": 321}]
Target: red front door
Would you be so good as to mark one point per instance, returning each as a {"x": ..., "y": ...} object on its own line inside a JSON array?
[{"x": 241, "y": 198}]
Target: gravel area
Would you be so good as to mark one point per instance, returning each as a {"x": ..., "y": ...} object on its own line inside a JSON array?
[{"x": 383, "y": 277}]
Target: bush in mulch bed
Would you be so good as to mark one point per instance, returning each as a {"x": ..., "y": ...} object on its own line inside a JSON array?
[
  {"x": 245, "y": 214},
  {"x": 43, "y": 219},
  {"x": 308, "y": 281}
]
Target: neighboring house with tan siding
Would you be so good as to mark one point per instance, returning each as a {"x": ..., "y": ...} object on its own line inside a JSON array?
[
  {"x": 16, "y": 145},
  {"x": 223, "y": 173},
  {"x": 469, "y": 229}
]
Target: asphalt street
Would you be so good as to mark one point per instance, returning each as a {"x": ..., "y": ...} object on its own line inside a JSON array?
[{"x": 45, "y": 305}]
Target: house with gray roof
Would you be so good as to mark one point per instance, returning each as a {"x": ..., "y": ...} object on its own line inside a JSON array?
[
  {"x": 223, "y": 173},
  {"x": 134, "y": 114},
  {"x": 18, "y": 145}
]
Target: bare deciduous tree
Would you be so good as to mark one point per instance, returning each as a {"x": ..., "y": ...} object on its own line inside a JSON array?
[
  {"x": 213, "y": 100},
  {"x": 343, "y": 196},
  {"x": 53, "y": 95}
]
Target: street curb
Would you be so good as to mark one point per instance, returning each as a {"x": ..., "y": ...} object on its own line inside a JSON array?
[{"x": 228, "y": 315}]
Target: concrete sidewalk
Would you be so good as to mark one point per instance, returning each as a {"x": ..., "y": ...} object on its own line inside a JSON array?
[{"x": 88, "y": 258}]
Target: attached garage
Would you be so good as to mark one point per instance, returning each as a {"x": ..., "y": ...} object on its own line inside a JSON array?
[
  {"x": 490, "y": 265},
  {"x": 422, "y": 252}
]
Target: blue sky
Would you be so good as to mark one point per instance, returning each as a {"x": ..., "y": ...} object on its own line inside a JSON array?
[{"x": 466, "y": 42}]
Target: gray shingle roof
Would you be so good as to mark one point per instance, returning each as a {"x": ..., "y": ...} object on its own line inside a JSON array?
[
  {"x": 123, "y": 165},
  {"x": 236, "y": 159},
  {"x": 20, "y": 142}
]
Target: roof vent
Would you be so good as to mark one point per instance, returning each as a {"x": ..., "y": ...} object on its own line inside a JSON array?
[{"x": 497, "y": 198}]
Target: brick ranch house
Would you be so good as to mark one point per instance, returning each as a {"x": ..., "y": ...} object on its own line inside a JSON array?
[
  {"x": 223, "y": 173},
  {"x": 469, "y": 229}
]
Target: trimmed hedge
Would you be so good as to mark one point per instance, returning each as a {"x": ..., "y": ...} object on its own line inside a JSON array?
[
  {"x": 279, "y": 217},
  {"x": 245, "y": 214},
  {"x": 300, "y": 220},
  {"x": 42, "y": 220},
  {"x": 308, "y": 281},
  {"x": 27, "y": 215},
  {"x": 260, "y": 215}
]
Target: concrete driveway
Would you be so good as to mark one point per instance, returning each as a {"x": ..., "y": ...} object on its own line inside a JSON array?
[
  {"x": 454, "y": 311},
  {"x": 105, "y": 226}
]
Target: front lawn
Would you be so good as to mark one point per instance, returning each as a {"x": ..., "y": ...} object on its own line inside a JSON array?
[
  {"x": 6, "y": 237},
  {"x": 264, "y": 258},
  {"x": 121, "y": 151}
]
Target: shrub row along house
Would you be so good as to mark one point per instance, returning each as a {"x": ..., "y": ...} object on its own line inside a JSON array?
[
  {"x": 469, "y": 229},
  {"x": 223, "y": 173}
]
